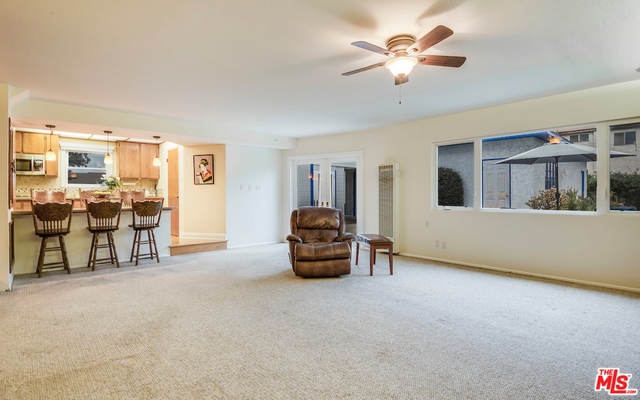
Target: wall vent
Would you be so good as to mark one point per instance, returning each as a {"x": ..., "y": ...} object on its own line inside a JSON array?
[{"x": 388, "y": 202}]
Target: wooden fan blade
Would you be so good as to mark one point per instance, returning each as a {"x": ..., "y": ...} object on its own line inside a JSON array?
[
  {"x": 373, "y": 47},
  {"x": 442, "y": 61},
  {"x": 437, "y": 35},
  {"x": 400, "y": 81},
  {"x": 355, "y": 71}
]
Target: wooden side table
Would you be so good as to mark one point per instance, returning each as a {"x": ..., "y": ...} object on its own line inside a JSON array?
[{"x": 375, "y": 242}]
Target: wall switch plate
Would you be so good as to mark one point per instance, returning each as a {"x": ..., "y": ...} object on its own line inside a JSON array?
[
  {"x": 426, "y": 224},
  {"x": 437, "y": 243},
  {"x": 444, "y": 245}
]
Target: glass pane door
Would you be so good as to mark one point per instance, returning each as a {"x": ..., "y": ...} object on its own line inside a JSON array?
[
  {"x": 308, "y": 184},
  {"x": 343, "y": 191}
]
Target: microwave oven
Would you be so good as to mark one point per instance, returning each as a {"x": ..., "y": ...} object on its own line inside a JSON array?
[{"x": 29, "y": 164}]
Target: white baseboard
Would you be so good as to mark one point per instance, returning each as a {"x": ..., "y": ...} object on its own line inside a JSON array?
[
  {"x": 212, "y": 236},
  {"x": 251, "y": 245},
  {"x": 513, "y": 271}
]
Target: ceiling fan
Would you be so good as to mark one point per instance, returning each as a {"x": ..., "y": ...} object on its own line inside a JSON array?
[{"x": 405, "y": 50}]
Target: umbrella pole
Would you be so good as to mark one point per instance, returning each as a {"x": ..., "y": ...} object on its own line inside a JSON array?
[{"x": 557, "y": 185}]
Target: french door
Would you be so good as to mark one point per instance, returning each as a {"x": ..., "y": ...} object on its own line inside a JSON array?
[{"x": 333, "y": 180}]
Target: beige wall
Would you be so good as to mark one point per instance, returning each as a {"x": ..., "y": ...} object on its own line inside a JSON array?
[
  {"x": 601, "y": 247},
  {"x": 254, "y": 195},
  {"x": 5, "y": 277},
  {"x": 202, "y": 207}
]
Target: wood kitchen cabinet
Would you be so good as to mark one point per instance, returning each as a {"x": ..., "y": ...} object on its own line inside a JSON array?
[
  {"x": 51, "y": 167},
  {"x": 33, "y": 143},
  {"x": 135, "y": 161},
  {"x": 17, "y": 142},
  {"x": 147, "y": 154},
  {"x": 129, "y": 160}
]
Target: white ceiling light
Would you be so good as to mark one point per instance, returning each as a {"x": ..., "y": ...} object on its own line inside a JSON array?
[
  {"x": 107, "y": 157},
  {"x": 143, "y": 140},
  {"x": 74, "y": 135},
  {"x": 401, "y": 66},
  {"x": 50, "y": 156},
  {"x": 104, "y": 137},
  {"x": 156, "y": 161}
]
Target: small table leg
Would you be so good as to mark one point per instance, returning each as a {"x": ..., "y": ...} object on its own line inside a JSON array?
[
  {"x": 357, "y": 251},
  {"x": 372, "y": 252},
  {"x": 391, "y": 258}
]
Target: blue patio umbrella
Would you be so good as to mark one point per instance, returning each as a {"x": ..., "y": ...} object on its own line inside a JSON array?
[{"x": 559, "y": 152}]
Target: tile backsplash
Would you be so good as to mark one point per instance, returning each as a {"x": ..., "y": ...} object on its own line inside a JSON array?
[{"x": 24, "y": 183}]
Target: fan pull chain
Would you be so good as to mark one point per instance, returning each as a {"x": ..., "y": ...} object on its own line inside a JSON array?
[{"x": 400, "y": 95}]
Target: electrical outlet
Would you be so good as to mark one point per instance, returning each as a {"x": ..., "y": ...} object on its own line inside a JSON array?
[
  {"x": 444, "y": 245},
  {"x": 426, "y": 224},
  {"x": 240, "y": 187},
  {"x": 437, "y": 243}
]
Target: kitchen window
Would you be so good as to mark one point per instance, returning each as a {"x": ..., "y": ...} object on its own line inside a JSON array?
[{"x": 83, "y": 166}]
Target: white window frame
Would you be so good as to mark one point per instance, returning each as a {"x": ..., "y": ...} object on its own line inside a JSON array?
[{"x": 65, "y": 148}]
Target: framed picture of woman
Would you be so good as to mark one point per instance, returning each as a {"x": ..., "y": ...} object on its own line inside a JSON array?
[{"x": 203, "y": 169}]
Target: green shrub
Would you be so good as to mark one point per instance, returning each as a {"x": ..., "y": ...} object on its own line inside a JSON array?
[
  {"x": 626, "y": 188},
  {"x": 569, "y": 200},
  {"x": 450, "y": 187}
]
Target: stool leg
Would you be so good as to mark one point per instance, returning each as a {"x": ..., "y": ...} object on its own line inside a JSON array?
[
  {"x": 391, "y": 258},
  {"x": 43, "y": 246},
  {"x": 150, "y": 244},
  {"x": 357, "y": 251},
  {"x": 95, "y": 252},
  {"x": 375, "y": 253},
  {"x": 372, "y": 251},
  {"x": 110, "y": 248},
  {"x": 115, "y": 253},
  {"x": 93, "y": 242},
  {"x": 133, "y": 246},
  {"x": 155, "y": 245},
  {"x": 138, "y": 251},
  {"x": 63, "y": 250}
]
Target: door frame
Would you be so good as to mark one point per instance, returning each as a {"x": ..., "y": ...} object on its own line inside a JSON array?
[
  {"x": 174, "y": 215},
  {"x": 325, "y": 161}
]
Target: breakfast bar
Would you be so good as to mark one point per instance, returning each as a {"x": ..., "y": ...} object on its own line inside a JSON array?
[{"x": 78, "y": 241}]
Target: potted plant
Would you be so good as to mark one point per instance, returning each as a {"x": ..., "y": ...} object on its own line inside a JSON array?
[{"x": 112, "y": 182}]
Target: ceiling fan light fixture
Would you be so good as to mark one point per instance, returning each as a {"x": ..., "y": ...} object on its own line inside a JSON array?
[{"x": 401, "y": 66}]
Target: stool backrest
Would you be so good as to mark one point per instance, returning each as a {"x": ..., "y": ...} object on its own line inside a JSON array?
[
  {"x": 49, "y": 196},
  {"x": 51, "y": 217},
  {"x": 129, "y": 195},
  {"x": 147, "y": 213},
  {"x": 103, "y": 214},
  {"x": 86, "y": 195}
]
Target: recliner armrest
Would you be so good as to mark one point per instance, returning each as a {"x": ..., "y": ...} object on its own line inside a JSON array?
[
  {"x": 345, "y": 237},
  {"x": 294, "y": 238}
]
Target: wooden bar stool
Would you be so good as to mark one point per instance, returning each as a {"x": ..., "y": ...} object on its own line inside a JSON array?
[
  {"x": 49, "y": 221},
  {"x": 103, "y": 217},
  {"x": 146, "y": 217},
  {"x": 86, "y": 195},
  {"x": 375, "y": 242},
  {"x": 49, "y": 196},
  {"x": 128, "y": 196}
]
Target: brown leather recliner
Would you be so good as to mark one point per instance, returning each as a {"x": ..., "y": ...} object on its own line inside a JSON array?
[{"x": 318, "y": 244}]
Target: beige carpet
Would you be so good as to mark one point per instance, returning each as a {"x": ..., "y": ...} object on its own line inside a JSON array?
[{"x": 236, "y": 324}]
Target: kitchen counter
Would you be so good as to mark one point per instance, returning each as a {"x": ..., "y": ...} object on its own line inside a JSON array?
[
  {"x": 78, "y": 241},
  {"x": 81, "y": 210},
  {"x": 24, "y": 203}
]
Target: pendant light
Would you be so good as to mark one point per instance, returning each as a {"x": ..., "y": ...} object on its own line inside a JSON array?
[
  {"x": 156, "y": 161},
  {"x": 50, "y": 156},
  {"x": 107, "y": 158}
]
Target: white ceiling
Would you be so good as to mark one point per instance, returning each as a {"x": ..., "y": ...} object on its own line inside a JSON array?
[{"x": 275, "y": 66}]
